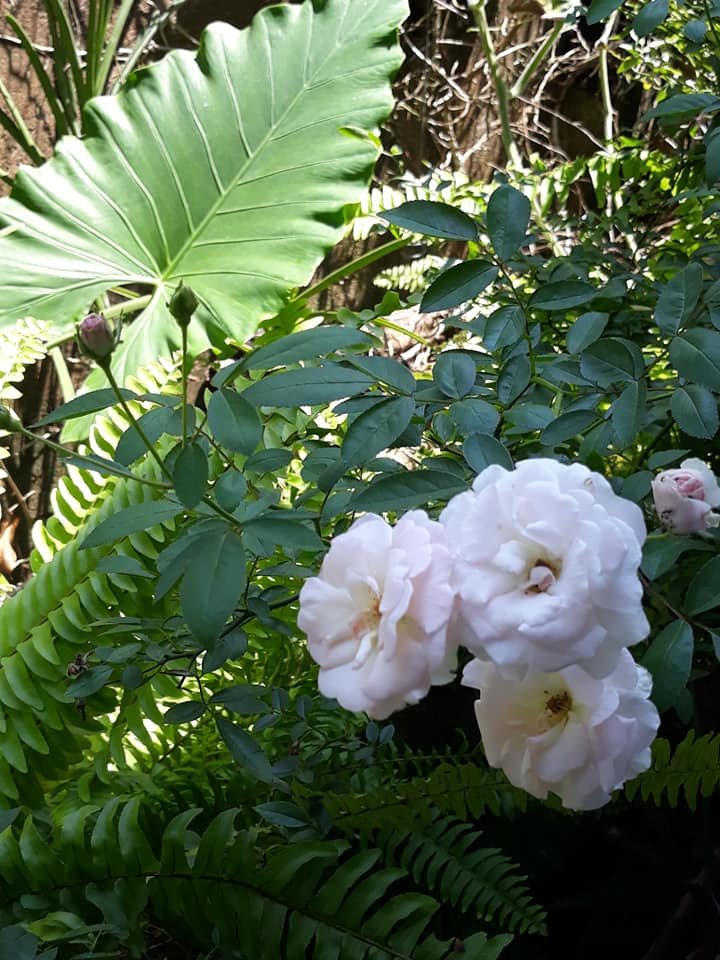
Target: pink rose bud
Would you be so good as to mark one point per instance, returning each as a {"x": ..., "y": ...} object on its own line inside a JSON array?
[
  {"x": 684, "y": 497},
  {"x": 96, "y": 337}
]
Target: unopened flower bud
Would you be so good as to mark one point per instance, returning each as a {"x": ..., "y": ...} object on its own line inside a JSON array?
[
  {"x": 8, "y": 420},
  {"x": 684, "y": 497},
  {"x": 183, "y": 304},
  {"x": 96, "y": 337}
]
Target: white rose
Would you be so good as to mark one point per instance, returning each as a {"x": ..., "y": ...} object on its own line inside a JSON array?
[
  {"x": 566, "y": 732},
  {"x": 376, "y": 617},
  {"x": 684, "y": 497},
  {"x": 545, "y": 568}
]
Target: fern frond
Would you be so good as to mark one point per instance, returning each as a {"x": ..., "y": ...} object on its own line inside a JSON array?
[
  {"x": 445, "y": 856},
  {"x": 23, "y": 344},
  {"x": 691, "y": 770},
  {"x": 465, "y": 790},
  {"x": 309, "y": 899}
]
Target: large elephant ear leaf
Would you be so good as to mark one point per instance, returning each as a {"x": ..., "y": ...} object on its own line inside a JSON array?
[{"x": 227, "y": 170}]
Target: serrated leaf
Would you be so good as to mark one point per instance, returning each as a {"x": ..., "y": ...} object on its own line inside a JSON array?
[
  {"x": 89, "y": 682},
  {"x": 567, "y": 426},
  {"x": 704, "y": 591},
  {"x": 481, "y": 450},
  {"x": 586, "y": 330},
  {"x": 432, "y": 219},
  {"x": 660, "y": 553},
  {"x": 503, "y": 327},
  {"x": 508, "y": 216},
  {"x": 669, "y": 660},
  {"x": 629, "y": 412},
  {"x": 190, "y": 474},
  {"x": 243, "y": 698},
  {"x": 457, "y": 285},
  {"x": 696, "y": 356},
  {"x": 140, "y": 516},
  {"x": 213, "y": 582},
  {"x": 308, "y": 387},
  {"x": 234, "y": 421},
  {"x": 562, "y": 295},
  {"x": 282, "y": 813},
  {"x": 678, "y": 298},
  {"x": 131, "y": 445},
  {"x": 695, "y": 411},
  {"x": 271, "y": 530},
  {"x": 406, "y": 490},
  {"x": 454, "y": 373},
  {"x": 376, "y": 429},
  {"x": 608, "y": 361},
  {"x": 230, "y": 489},
  {"x": 386, "y": 370},
  {"x": 513, "y": 379},
  {"x": 231, "y": 174},
  {"x": 474, "y": 416}
]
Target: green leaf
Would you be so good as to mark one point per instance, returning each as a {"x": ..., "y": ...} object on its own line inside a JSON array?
[
  {"x": 586, "y": 330},
  {"x": 678, "y": 298},
  {"x": 503, "y": 327},
  {"x": 281, "y": 527},
  {"x": 131, "y": 445},
  {"x": 474, "y": 416},
  {"x": 190, "y": 474},
  {"x": 140, "y": 516},
  {"x": 234, "y": 421},
  {"x": 514, "y": 378},
  {"x": 669, "y": 660},
  {"x": 684, "y": 106},
  {"x": 282, "y": 813},
  {"x": 376, "y": 429},
  {"x": 268, "y": 461},
  {"x": 695, "y": 411},
  {"x": 600, "y": 10},
  {"x": 695, "y": 30},
  {"x": 388, "y": 371},
  {"x": 89, "y": 682},
  {"x": 230, "y": 647},
  {"x": 86, "y": 403},
  {"x": 704, "y": 590},
  {"x": 660, "y": 553},
  {"x": 454, "y": 373},
  {"x": 530, "y": 416},
  {"x": 696, "y": 356},
  {"x": 562, "y": 295},
  {"x": 305, "y": 345},
  {"x": 432, "y": 219},
  {"x": 650, "y": 17},
  {"x": 309, "y": 386},
  {"x": 213, "y": 583},
  {"x": 184, "y": 712},
  {"x": 567, "y": 426},
  {"x": 231, "y": 174},
  {"x": 243, "y": 698},
  {"x": 481, "y": 450},
  {"x": 661, "y": 458},
  {"x": 712, "y": 158},
  {"x": 246, "y": 750},
  {"x": 457, "y": 285},
  {"x": 130, "y": 566},
  {"x": 608, "y": 361},
  {"x": 629, "y": 412},
  {"x": 407, "y": 490},
  {"x": 508, "y": 216},
  {"x": 637, "y": 485},
  {"x": 230, "y": 490}
]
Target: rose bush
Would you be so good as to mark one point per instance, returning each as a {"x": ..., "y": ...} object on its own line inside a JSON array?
[
  {"x": 566, "y": 732},
  {"x": 376, "y": 617},
  {"x": 545, "y": 568},
  {"x": 684, "y": 497}
]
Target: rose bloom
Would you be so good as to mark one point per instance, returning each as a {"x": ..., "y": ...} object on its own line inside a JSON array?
[
  {"x": 566, "y": 732},
  {"x": 684, "y": 497},
  {"x": 376, "y": 617},
  {"x": 545, "y": 568}
]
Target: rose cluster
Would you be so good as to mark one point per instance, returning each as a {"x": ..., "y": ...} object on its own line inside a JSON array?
[{"x": 535, "y": 572}]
